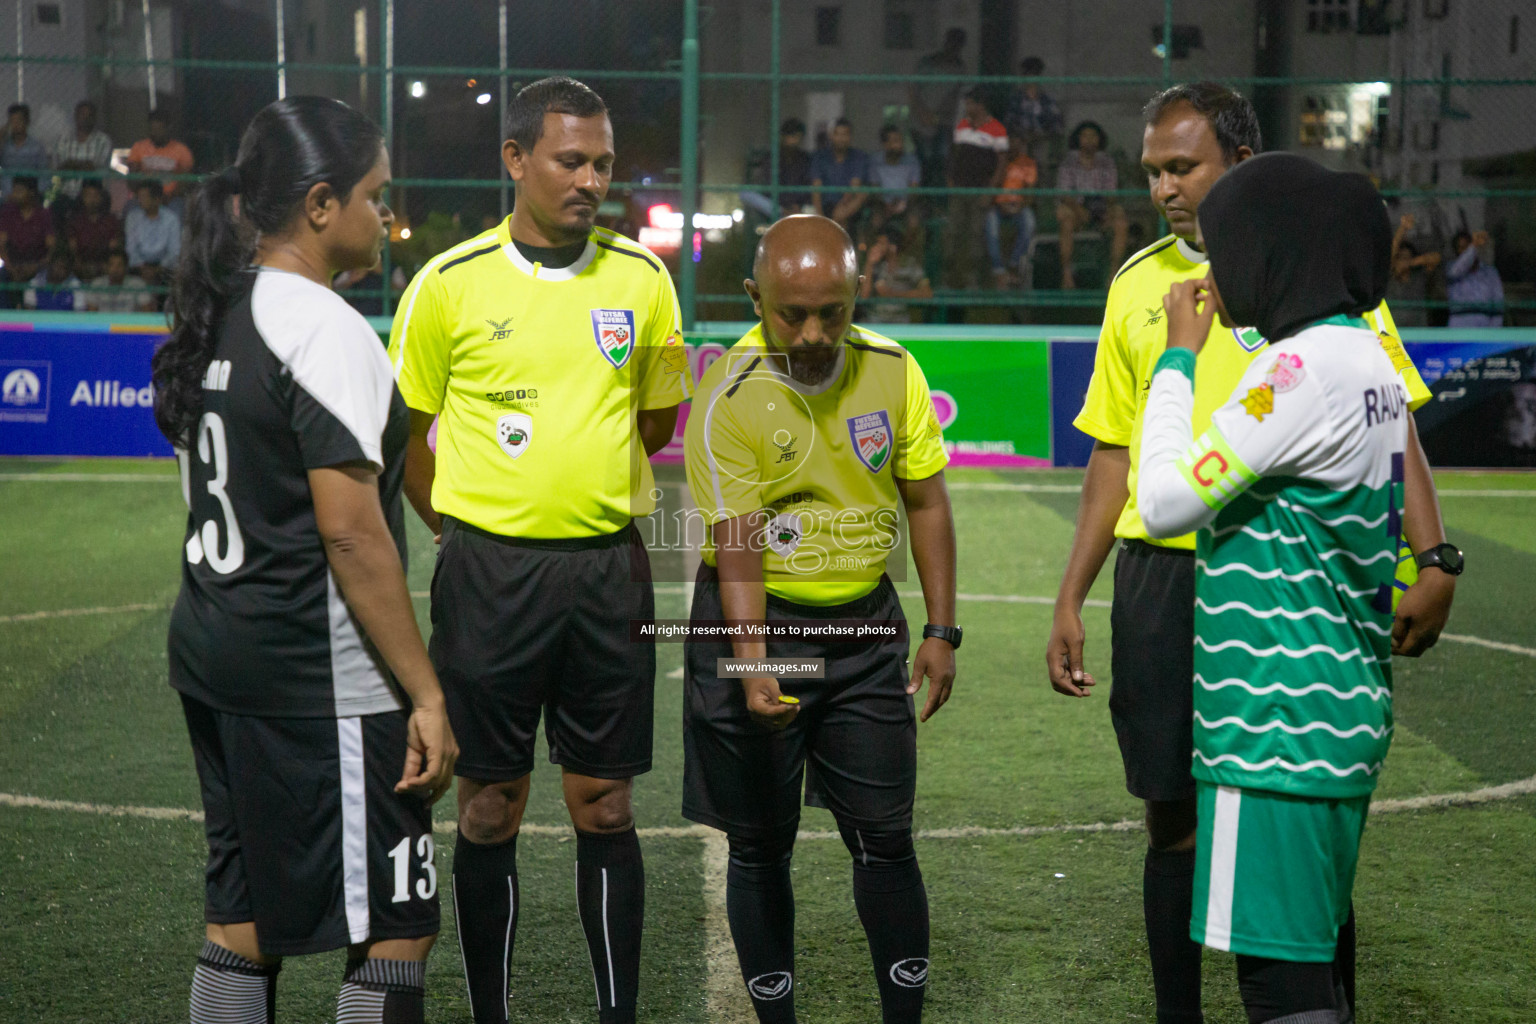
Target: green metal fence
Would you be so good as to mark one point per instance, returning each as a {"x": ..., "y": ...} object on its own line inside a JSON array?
[{"x": 1436, "y": 99}]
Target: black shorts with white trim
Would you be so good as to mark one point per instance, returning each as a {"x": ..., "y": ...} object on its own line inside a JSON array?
[
  {"x": 853, "y": 744},
  {"x": 306, "y": 834}
]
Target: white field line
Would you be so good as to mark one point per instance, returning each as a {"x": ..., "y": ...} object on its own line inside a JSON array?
[
  {"x": 65, "y": 613},
  {"x": 91, "y": 478},
  {"x": 1477, "y": 641},
  {"x": 725, "y": 998},
  {"x": 686, "y": 591},
  {"x": 1467, "y": 798}
]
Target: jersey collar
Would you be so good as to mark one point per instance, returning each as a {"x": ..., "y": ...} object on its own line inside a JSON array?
[
  {"x": 539, "y": 271},
  {"x": 1188, "y": 251}
]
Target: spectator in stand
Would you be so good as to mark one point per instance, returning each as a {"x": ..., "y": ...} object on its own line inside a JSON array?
[
  {"x": 896, "y": 171},
  {"x": 1409, "y": 285},
  {"x": 26, "y": 238},
  {"x": 975, "y": 161},
  {"x": 94, "y": 231},
  {"x": 841, "y": 166},
  {"x": 794, "y": 170},
  {"x": 794, "y": 166},
  {"x": 1090, "y": 171},
  {"x": 20, "y": 151},
  {"x": 55, "y": 287},
  {"x": 894, "y": 271},
  {"x": 152, "y": 233},
  {"x": 1033, "y": 114},
  {"x": 937, "y": 107},
  {"x": 118, "y": 291},
  {"x": 1015, "y": 206},
  {"x": 160, "y": 153},
  {"x": 1472, "y": 286},
  {"x": 87, "y": 148}
]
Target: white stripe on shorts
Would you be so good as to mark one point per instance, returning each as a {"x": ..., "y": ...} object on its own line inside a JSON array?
[
  {"x": 354, "y": 826},
  {"x": 1218, "y": 907}
]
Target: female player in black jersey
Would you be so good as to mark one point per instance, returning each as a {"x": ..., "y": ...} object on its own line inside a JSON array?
[{"x": 293, "y": 642}]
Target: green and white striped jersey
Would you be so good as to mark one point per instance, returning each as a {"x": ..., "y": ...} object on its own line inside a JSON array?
[{"x": 1297, "y": 491}]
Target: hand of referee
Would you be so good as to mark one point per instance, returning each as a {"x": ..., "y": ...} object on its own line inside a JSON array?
[
  {"x": 936, "y": 660},
  {"x": 763, "y": 702},
  {"x": 1064, "y": 655},
  {"x": 430, "y": 752},
  {"x": 1191, "y": 308}
]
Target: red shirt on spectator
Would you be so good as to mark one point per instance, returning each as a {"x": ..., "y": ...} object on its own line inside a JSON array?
[
  {"x": 26, "y": 238},
  {"x": 91, "y": 239},
  {"x": 976, "y": 151}
]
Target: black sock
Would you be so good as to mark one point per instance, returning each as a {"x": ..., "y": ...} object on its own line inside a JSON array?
[
  {"x": 893, "y": 907},
  {"x": 383, "y": 992},
  {"x": 1167, "y": 892},
  {"x": 760, "y": 905},
  {"x": 485, "y": 904},
  {"x": 1344, "y": 966},
  {"x": 610, "y": 895},
  {"x": 227, "y": 988}
]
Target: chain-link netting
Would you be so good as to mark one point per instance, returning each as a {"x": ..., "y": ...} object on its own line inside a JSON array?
[{"x": 986, "y": 156}]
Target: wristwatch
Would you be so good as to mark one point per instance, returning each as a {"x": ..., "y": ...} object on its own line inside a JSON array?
[
  {"x": 1445, "y": 557},
  {"x": 949, "y": 634}
]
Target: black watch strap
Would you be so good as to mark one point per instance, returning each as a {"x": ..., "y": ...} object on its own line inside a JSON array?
[
  {"x": 949, "y": 634},
  {"x": 1446, "y": 557}
]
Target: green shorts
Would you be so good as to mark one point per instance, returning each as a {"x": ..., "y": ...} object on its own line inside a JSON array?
[{"x": 1274, "y": 873}]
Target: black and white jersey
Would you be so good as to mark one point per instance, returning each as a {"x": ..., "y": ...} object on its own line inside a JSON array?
[{"x": 298, "y": 381}]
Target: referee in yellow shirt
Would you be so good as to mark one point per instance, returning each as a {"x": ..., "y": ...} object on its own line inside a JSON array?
[
  {"x": 1194, "y": 133},
  {"x": 550, "y": 350},
  {"x": 804, "y": 440}
]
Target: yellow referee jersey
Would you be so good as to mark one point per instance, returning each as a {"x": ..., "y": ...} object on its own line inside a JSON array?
[
  {"x": 537, "y": 375},
  {"x": 823, "y": 461},
  {"x": 1135, "y": 333}
]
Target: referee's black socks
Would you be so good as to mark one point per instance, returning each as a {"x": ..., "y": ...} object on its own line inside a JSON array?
[
  {"x": 893, "y": 907},
  {"x": 610, "y": 894},
  {"x": 1167, "y": 893},
  {"x": 485, "y": 905},
  {"x": 760, "y": 905}
]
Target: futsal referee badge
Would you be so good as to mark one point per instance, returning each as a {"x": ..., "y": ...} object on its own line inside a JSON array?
[
  {"x": 872, "y": 438},
  {"x": 614, "y": 332},
  {"x": 514, "y": 432}
]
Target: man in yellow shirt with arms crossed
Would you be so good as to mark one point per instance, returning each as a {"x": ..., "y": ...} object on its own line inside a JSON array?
[
  {"x": 1194, "y": 133},
  {"x": 552, "y": 351},
  {"x": 802, "y": 441}
]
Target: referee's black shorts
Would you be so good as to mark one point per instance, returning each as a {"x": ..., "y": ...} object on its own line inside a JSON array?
[
  {"x": 853, "y": 746},
  {"x": 1152, "y": 664},
  {"x": 522, "y": 628}
]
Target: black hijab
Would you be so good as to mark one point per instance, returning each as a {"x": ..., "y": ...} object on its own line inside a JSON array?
[{"x": 1292, "y": 243}]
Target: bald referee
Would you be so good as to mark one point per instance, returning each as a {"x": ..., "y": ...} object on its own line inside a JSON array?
[
  {"x": 805, "y": 439},
  {"x": 551, "y": 353},
  {"x": 1193, "y": 134}
]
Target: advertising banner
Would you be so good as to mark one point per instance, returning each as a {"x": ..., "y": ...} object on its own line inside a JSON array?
[
  {"x": 78, "y": 391},
  {"x": 78, "y": 385}
]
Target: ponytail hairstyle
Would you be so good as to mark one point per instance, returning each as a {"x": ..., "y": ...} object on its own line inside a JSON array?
[{"x": 290, "y": 147}]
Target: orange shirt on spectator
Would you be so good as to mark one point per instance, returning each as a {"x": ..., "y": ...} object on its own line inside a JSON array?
[
  {"x": 1021, "y": 172},
  {"x": 173, "y": 157}
]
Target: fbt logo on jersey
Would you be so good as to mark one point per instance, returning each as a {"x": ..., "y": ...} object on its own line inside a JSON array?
[
  {"x": 614, "y": 331},
  {"x": 107, "y": 394},
  {"x": 24, "y": 389}
]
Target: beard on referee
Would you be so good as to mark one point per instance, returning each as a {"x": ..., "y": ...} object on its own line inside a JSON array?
[{"x": 810, "y": 420}]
